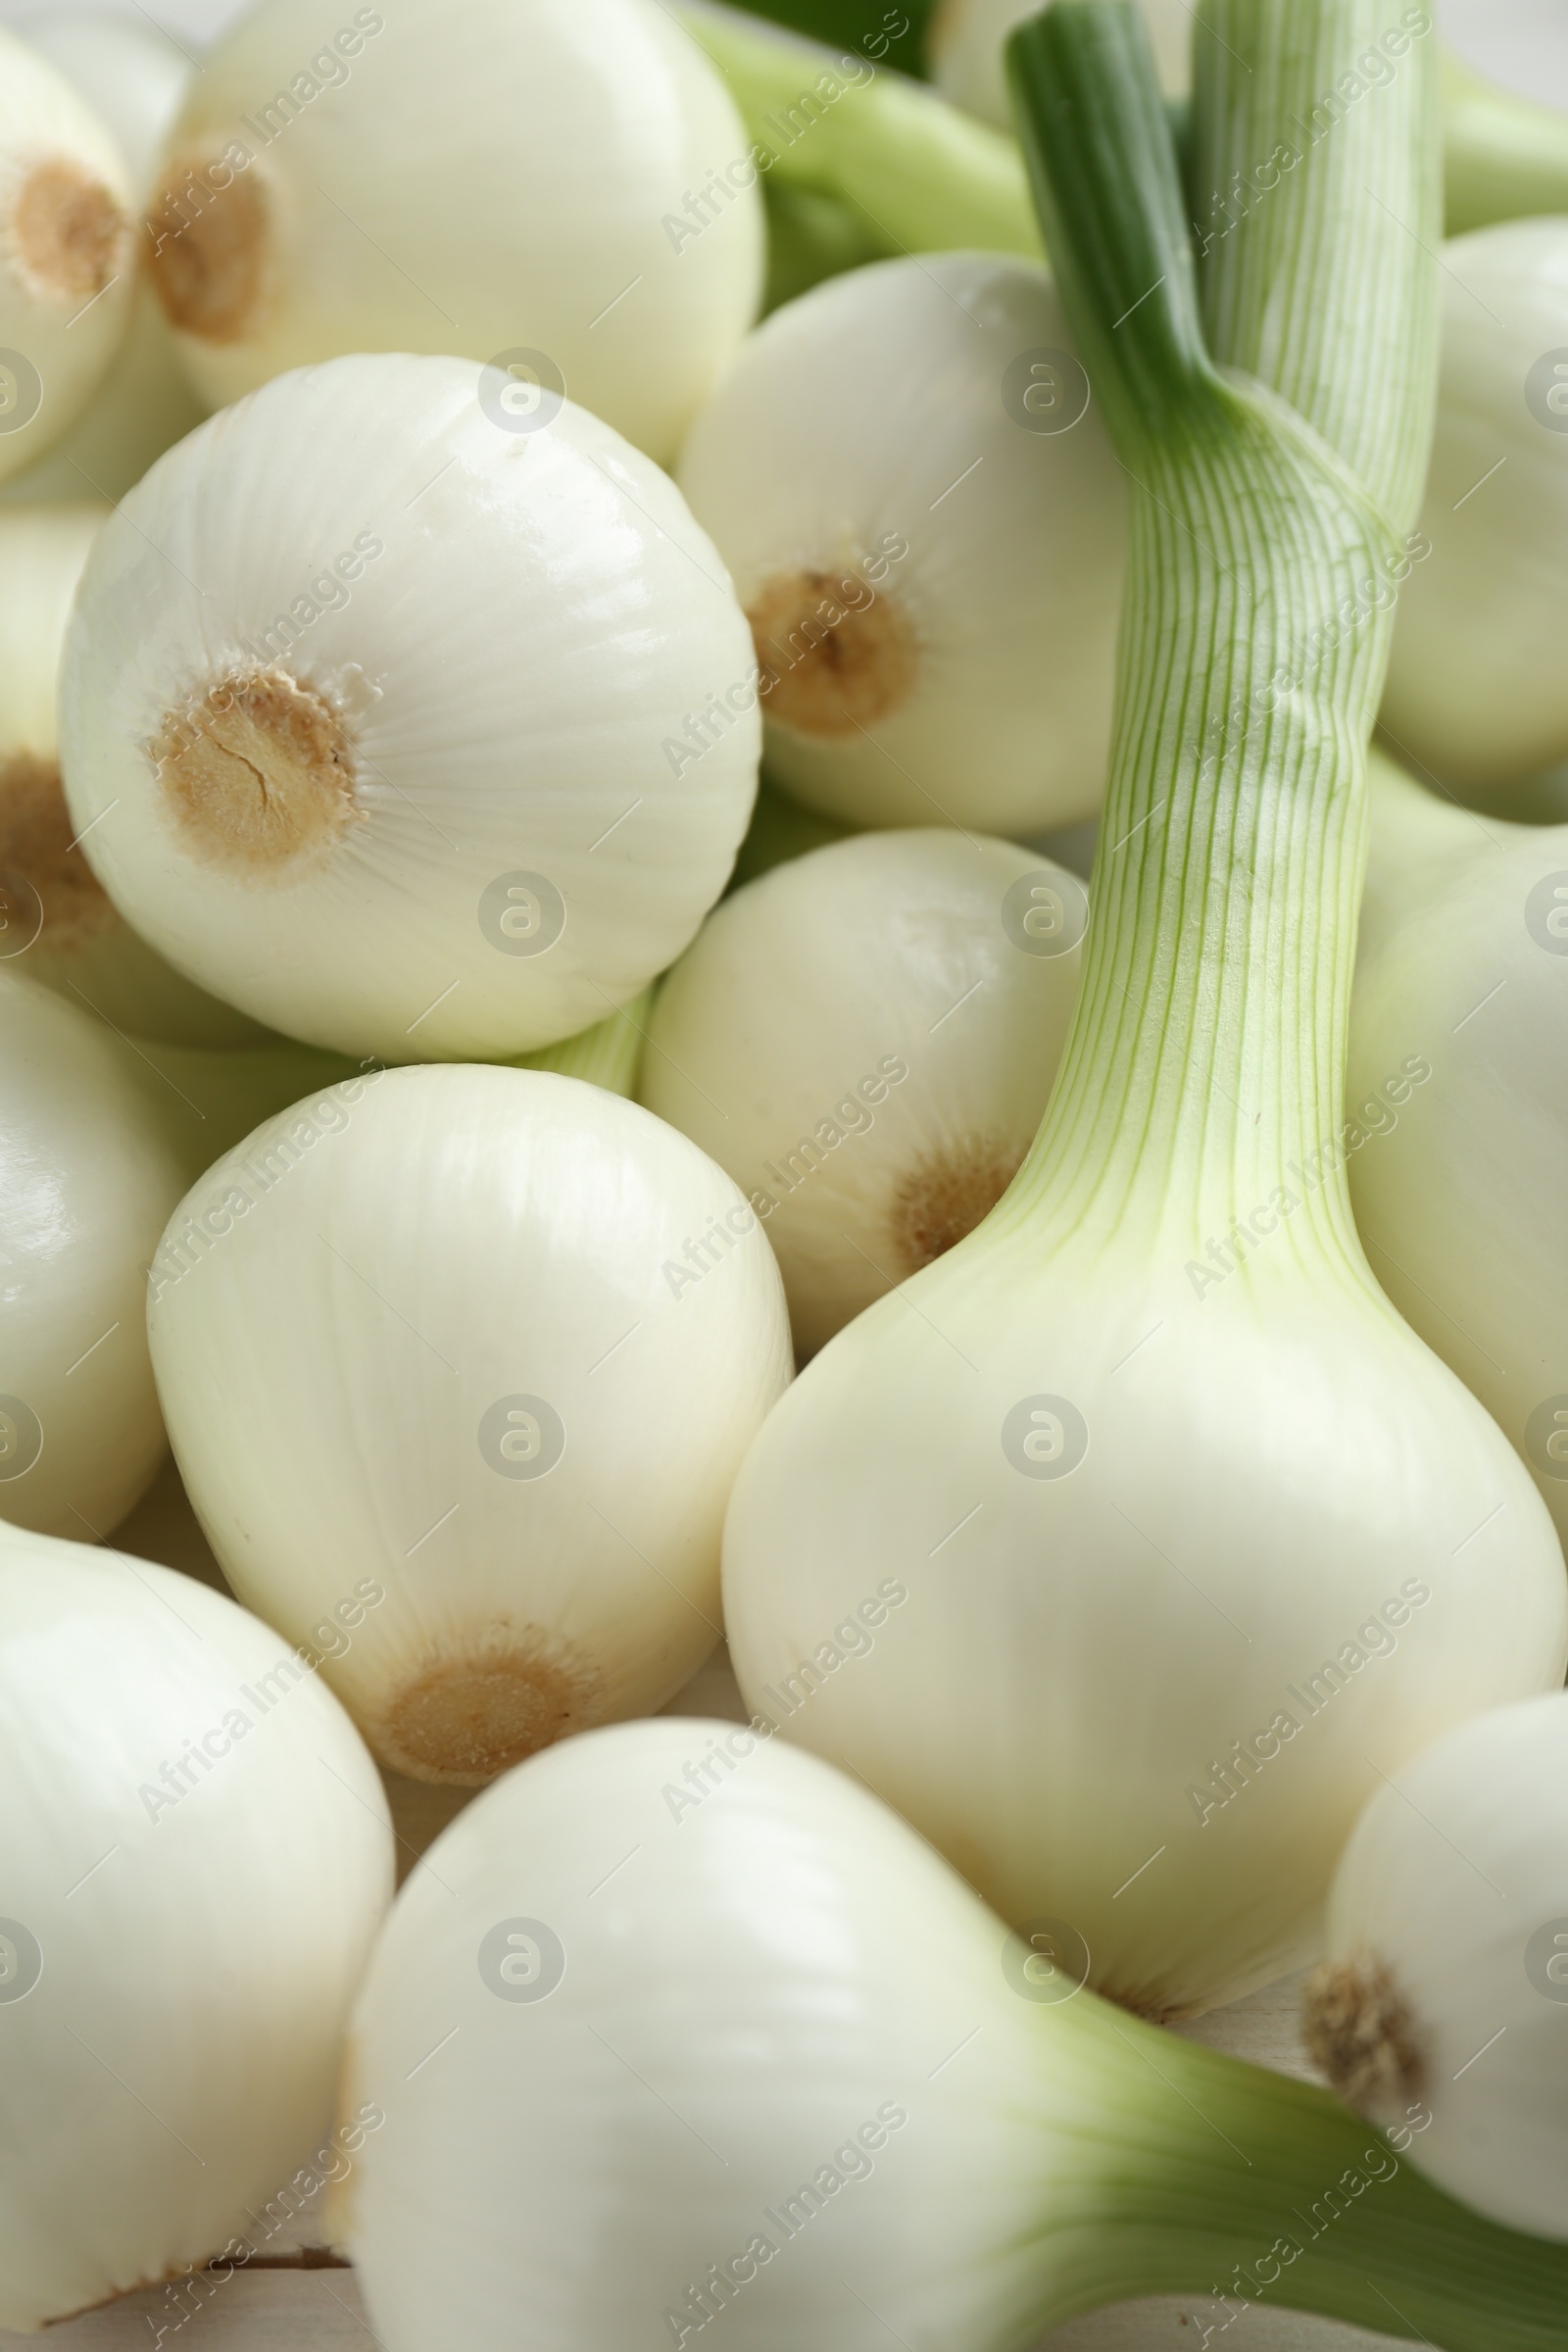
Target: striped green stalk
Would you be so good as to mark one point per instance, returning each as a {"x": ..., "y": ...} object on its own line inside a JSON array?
[{"x": 1209, "y": 1042}]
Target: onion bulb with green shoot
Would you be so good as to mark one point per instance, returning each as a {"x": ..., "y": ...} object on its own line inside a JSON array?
[
  {"x": 1158, "y": 1389},
  {"x": 1458, "y": 1100},
  {"x": 917, "y": 499},
  {"x": 865, "y": 1040},
  {"x": 1442, "y": 2010},
  {"x": 133, "y": 76},
  {"x": 406, "y": 731},
  {"x": 449, "y": 1297},
  {"x": 1476, "y": 689},
  {"x": 726, "y": 2044},
  {"x": 196, "y": 1856},
  {"x": 383, "y": 186},
  {"x": 54, "y": 912},
  {"x": 89, "y": 1171},
  {"x": 67, "y": 254}
]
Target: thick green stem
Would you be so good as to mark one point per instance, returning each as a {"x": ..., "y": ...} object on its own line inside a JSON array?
[
  {"x": 1505, "y": 159},
  {"x": 1305, "y": 213},
  {"x": 1204, "y": 1067},
  {"x": 922, "y": 176},
  {"x": 1245, "y": 2186}
]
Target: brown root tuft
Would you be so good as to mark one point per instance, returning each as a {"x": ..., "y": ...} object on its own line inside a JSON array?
[
  {"x": 465, "y": 1719},
  {"x": 946, "y": 1195},
  {"x": 830, "y": 667},
  {"x": 68, "y": 232},
  {"x": 208, "y": 248},
  {"x": 35, "y": 846},
  {"x": 257, "y": 775},
  {"x": 1360, "y": 2030}
]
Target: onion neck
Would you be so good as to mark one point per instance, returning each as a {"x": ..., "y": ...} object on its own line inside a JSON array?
[
  {"x": 1204, "y": 1068},
  {"x": 1233, "y": 2183}
]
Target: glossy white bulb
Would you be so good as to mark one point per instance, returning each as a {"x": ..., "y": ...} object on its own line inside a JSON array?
[
  {"x": 196, "y": 1854},
  {"x": 906, "y": 473},
  {"x": 371, "y": 704},
  {"x": 427, "y": 1328}
]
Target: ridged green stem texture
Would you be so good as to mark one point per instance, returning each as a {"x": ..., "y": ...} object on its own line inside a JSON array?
[
  {"x": 1209, "y": 1045},
  {"x": 1208, "y": 1051},
  {"x": 1204, "y": 2176}
]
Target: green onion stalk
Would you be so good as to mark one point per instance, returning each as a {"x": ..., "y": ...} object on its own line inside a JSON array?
[
  {"x": 858, "y": 162},
  {"x": 1150, "y": 1443},
  {"x": 902, "y": 171}
]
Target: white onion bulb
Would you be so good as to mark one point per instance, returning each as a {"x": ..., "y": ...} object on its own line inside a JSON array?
[
  {"x": 682, "y": 2036},
  {"x": 865, "y": 1039},
  {"x": 88, "y": 1174},
  {"x": 53, "y": 908},
  {"x": 1442, "y": 2008},
  {"x": 67, "y": 254},
  {"x": 907, "y": 478},
  {"x": 423, "y": 1329},
  {"x": 368, "y": 701},
  {"x": 968, "y": 37},
  {"x": 134, "y": 77},
  {"x": 195, "y": 1854},
  {"x": 1457, "y": 1102},
  {"x": 498, "y": 180},
  {"x": 1476, "y": 689}
]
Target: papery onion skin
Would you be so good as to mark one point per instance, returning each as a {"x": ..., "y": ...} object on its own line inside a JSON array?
[
  {"x": 89, "y": 1170},
  {"x": 495, "y": 685},
  {"x": 290, "y": 228},
  {"x": 511, "y": 1335},
  {"x": 196, "y": 1855}
]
